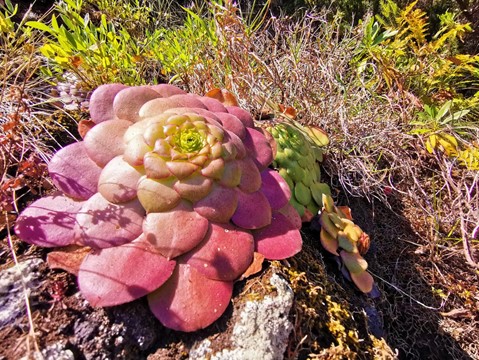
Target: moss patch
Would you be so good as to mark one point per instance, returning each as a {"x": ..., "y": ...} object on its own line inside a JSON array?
[{"x": 329, "y": 319}]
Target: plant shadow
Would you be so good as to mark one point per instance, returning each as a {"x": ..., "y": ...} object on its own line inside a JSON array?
[{"x": 409, "y": 306}]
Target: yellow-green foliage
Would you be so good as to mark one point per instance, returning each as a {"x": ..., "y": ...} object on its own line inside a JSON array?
[
  {"x": 398, "y": 50},
  {"x": 324, "y": 324},
  {"x": 444, "y": 131},
  {"x": 97, "y": 51},
  {"x": 184, "y": 49},
  {"x": 297, "y": 161}
]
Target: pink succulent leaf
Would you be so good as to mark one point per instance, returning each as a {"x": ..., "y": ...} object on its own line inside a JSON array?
[
  {"x": 275, "y": 188},
  {"x": 139, "y": 128},
  {"x": 232, "y": 123},
  {"x": 101, "y": 102},
  {"x": 210, "y": 117},
  {"x": 189, "y": 301},
  {"x": 166, "y": 90},
  {"x": 292, "y": 215},
  {"x": 118, "y": 181},
  {"x": 234, "y": 145},
  {"x": 241, "y": 114},
  {"x": 231, "y": 175},
  {"x": 219, "y": 205},
  {"x": 104, "y": 141},
  {"x": 354, "y": 262},
  {"x": 49, "y": 221},
  {"x": 364, "y": 281},
  {"x": 280, "y": 240},
  {"x": 157, "y": 195},
  {"x": 123, "y": 273},
  {"x": 213, "y": 104},
  {"x": 259, "y": 148},
  {"x": 253, "y": 211},
  {"x": 329, "y": 243},
  {"x": 208, "y": 114},
  {"x": 135, "y": 151},
  {"x": 73, "y": 172},
  {"x": 194, "y": 188},
  {"x": 101, "y": 224},
  {"x": 127, "y": 102},
  {"x": 160, "y": 105},
  {"x": 214, "y": 169},
  {"x": 155, "y": 166},
  {"x": 251, "y": 177},
  {"x": 225, "y": 253},
  {"x": 176, "y": 231},
  {"x": 181, "y": 169}
]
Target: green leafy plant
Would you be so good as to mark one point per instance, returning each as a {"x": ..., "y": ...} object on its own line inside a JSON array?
[
  {"x": 97, "y": 52},
  {"x": 434, "y": 122},
  {"x": 297, "y": 161},
  {"x": 442, "y": 129},
  {"x": 397, "y": 50}
]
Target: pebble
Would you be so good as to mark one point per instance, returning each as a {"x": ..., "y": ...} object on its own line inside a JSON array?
[{"x": 14, "y": 282}]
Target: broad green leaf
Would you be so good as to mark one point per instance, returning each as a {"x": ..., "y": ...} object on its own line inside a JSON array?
[
  {"x": 456, "y": 116},
  {"x": 443, "y": 110},
  {"x": 55, "y": 23},
  {"x": 40, "y": 26},
  {"x": 11, "y": 9}
]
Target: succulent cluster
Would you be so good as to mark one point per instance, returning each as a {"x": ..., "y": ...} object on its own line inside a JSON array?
[
  {"x": 298, "y": 154},
  {"x": 171, "y": 195},
  {"x": 299, "y": 150},
  {"x": 342, "y": 237}
]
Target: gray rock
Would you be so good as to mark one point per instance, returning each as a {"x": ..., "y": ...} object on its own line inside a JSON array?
[
  {"x": 52, "y": 352},
  {"x": 262, "y": 329},
  {"x": 14, "y": 282}
]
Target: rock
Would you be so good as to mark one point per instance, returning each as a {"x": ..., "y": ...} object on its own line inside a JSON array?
[
  {"x": 14, "y": 282},
  {"x": 140, "y": 328},
  {"x": 53, "y": 352},
  {"x": 261, "y": 331}
]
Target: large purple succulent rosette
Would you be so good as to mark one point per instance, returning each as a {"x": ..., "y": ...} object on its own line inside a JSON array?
[{"x": 173, "y": 194}]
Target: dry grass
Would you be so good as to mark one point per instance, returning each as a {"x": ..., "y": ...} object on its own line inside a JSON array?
[
  {"x": 29, "y": 134},
  {"x": 306, "y": 64}
]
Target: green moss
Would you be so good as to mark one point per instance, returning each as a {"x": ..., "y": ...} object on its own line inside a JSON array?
[{"x": 322, "y": 313}]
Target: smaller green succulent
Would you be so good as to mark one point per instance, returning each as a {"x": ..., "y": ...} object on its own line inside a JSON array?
[{"x": 299, "y": 151}]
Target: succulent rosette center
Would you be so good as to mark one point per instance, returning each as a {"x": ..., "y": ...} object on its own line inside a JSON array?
[
  {"x": 173, "y": 189},
  {"x": 190, "y": 140}
]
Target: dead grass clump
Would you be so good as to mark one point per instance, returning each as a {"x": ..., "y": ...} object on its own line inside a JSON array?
[
  {"x": 27, "y": 140},
  {"x": 307, "y": 64}
]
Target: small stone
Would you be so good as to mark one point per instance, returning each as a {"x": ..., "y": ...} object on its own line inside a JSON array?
[
  {"x": 53, "y": 352},
  {"x": 12, "y": 298},
  {"x": 262, "y": 330}
]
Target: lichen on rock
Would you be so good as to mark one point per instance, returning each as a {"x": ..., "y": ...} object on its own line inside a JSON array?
[
  {"x": 262, "y": 329},
  {"x": 13, "y": 282}
]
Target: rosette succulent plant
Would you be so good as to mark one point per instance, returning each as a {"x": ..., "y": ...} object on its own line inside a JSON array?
[
  {"x": 298, "y": 154},
  {"x": 171, "y": 195},
  {"x": 342, "y": 237}
]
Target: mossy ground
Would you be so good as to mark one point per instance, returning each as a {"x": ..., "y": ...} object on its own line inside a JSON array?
[{"x": 330, "y": 321}]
